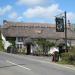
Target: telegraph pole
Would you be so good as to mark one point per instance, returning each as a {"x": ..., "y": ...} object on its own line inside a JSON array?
[
  {"x": 70, "y": 32},
  {"x": 61, "y": 26},
  {"x": 65, "y": 31}
]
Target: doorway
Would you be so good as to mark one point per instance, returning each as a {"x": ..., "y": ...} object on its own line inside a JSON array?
[{"x": 28, "y": 49}]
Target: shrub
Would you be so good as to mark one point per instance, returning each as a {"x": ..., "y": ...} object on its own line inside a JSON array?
[
  {"x": 44, "y": 46},
  {"x": 68, "y": 57},
  {"x": 1, "y": 44}
]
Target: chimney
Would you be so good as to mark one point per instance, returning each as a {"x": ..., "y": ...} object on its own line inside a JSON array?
[{"x": 4, "y": 21}]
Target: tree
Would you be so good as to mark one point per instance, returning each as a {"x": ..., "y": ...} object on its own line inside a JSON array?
[
  {"x": 45, "y": 45},
  {"x": 1, "y": 44}
]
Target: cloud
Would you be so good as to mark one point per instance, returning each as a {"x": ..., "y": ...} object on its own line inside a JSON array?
[
  {"x": 71, "y": 16},
  {"x": 20, "y": 18},
  {"x": 47, "y": 12},
  {"x": 30, "y": 2},
  {"x": 42, "y": 12},
  {"x": 5, "y": 9},
  {"x": 35, "y": 2},
  {"x": 14, "y": 17}
]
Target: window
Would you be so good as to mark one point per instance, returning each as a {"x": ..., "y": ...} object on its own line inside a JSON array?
[
  {"x": 20, "y": 39},
  {"x": 20, "y": 46},
  {"x": 17, "y": 46}
]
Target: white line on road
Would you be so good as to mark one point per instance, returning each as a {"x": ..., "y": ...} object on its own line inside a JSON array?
[
  {"x": 18, "y": 65},
  {"x": 63, "y": 66}
]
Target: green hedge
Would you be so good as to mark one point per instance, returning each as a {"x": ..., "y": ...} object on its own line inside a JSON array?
[
  {"x": 69, "y": 57},
  {"x": 1, "y": 45}
]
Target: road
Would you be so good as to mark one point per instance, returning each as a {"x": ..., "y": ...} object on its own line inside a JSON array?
[{"x": 11, "y": 64}]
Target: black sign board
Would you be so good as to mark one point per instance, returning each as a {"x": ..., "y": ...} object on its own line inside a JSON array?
[{"x": 59, "y": 24}]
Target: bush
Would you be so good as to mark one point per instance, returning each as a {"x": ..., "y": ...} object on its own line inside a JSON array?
[
  {"x": 68, "y": 58},
  {"x": 22, "y": 51},
  {"x": 1, "y": 44},
  {"x": 44, "y": 45}
]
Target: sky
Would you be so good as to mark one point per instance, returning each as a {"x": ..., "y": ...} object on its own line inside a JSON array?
[{"x": 43, "y": 11}]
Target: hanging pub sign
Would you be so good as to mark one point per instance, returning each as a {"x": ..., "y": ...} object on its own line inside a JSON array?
[{"x": 59, "y": 24}]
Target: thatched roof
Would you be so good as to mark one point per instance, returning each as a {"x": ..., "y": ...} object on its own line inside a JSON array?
[{"x": 34, "y": 30}]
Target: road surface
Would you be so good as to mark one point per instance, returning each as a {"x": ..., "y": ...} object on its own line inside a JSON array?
[{"x": 11, "y": 64}]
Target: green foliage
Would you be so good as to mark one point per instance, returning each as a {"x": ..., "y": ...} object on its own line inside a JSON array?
[
  {"x": 72, "y": 50},
  {"x": 44, "y": 45},
  {"x": 44, "y": 42},
  {"x": 1, "y": 45},
  {"x": 69, "y": 57},
  {"x": 12, "y": 41},
  {"x": 22, "y": 51}
]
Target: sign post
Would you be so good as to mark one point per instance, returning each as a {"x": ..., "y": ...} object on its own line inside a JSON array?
[
  {"x": 61, "y": 26},
  {"x": 65, "y": 31}
]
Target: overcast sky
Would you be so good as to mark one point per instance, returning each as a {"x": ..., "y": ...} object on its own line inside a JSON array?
[{"x": 36, "y": 10}]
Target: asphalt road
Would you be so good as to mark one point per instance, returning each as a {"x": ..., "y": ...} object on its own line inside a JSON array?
[{"x": 11, "y": 64}]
